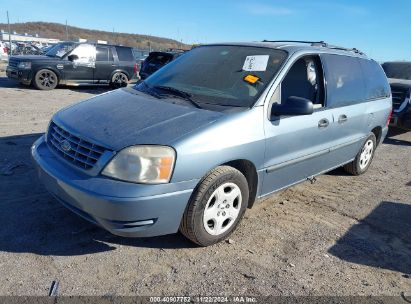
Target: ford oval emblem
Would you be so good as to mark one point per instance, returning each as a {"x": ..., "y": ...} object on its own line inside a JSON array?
[{"x": 65, "y": 145}]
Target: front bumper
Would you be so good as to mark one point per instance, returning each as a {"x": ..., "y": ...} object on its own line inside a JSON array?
[
  {"x": 23, "y": 76},
  {"x": 125, "y": 209}
]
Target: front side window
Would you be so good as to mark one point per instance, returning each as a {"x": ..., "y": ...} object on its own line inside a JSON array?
[
  {"x": 305, "y": 80},
  {"x": 345, "y": 81},
  {"x": 224, "y": 75},
  {"x": 86, "y": 55}
]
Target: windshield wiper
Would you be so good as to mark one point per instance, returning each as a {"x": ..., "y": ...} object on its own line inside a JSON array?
[
  {"x": 178, "y": 93},
  {"x": 147, "y": 89}
]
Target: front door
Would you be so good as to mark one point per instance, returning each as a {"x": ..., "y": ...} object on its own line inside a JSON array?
[
  {"x": 297, "y": 147},
  {"x": 80, "y": 69}
]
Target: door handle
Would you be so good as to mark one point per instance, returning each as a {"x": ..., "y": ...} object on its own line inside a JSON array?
[
  {"x": 323, "y": 123},
  {"x": 114, "y": 65},
  {"x": 342, "y": 118}
]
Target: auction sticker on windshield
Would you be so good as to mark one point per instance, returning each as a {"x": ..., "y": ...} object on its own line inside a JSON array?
[
  {"x": 256, "y": 63},
  {"x": 251, "y": 79}
]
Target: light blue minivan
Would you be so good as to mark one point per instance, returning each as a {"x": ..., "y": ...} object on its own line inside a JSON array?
[{"x": 194, "y": 145}]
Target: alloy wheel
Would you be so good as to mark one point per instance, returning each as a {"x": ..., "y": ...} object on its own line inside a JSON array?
[
  {"x": 120, "y": 80},
  {"x": 47, "y": 79}
]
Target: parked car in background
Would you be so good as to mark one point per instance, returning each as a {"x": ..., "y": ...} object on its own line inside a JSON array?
[
  {"x": 10, "y": 47},
  {"x": 191, "y": 147},
  {"x": 157, "y": 60},
  {"x": 24, "y": 48},
  {"x": 399, "y": 76},
  {"x": 139, "y": 56},
  {"x": 4, "y": 51},
  {"x": 75, "y": 63}
]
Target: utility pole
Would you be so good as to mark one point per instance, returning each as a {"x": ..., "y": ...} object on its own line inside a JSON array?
[
  {"x": 8, "y": 22},
  {"x": 66, "y": 31}
]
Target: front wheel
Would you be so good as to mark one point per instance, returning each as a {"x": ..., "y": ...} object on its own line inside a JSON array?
[
  {"x": 119, "y": 80},
  {"x": 45, "y": 80},
  {"x": 216, "y": 206},
  {"x": 363, "y": 160}
]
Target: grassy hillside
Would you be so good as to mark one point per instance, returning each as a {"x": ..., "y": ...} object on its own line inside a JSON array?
[{"x": 58, "y": 31}]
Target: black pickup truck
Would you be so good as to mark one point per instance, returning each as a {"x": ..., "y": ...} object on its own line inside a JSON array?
[
  {"x": 399, "y": 76},
  {"x": 75, "y": 63}
]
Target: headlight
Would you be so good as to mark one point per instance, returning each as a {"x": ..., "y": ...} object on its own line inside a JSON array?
[
  {"x": 142, "y": 164},
  {"x": 24, "y": 65}
]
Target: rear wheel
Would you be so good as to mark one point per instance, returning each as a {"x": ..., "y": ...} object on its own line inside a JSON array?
[
  {"x": 363, "y": 160},
  {"x": 119, "y": 80},
  {"x": 45, "y": 80},
  {"x": 216, "y": 207}
]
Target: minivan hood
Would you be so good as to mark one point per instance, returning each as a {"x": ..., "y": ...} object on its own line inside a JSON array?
[{"x": 127, "y": 117}]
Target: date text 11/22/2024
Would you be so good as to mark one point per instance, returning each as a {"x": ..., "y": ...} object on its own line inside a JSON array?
[{"x": 203, "y": 299}]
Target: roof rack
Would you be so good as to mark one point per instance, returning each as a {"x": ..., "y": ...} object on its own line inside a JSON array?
[
  {"x": 299, "y": 41},
  {"x": 335, "y": 47},
  {"x": 320, "y": 43}
]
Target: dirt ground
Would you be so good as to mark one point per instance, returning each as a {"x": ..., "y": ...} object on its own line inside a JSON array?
[{"x": 342, "y": 235}]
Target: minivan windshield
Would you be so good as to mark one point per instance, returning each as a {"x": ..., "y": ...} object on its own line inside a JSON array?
[
  {"x": 224, "y": 75},
  {"x": 61, "y": 49},
  {"x": 398, "y": 70}
]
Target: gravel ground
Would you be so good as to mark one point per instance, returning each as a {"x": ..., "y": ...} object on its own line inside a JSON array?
[{"x": 342, "y": 235}]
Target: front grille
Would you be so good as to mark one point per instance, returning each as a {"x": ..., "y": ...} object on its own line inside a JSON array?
[
  {"x": 398, "y": 97},
  {"x": 13, "y": 63},
  {"x": 77, "y": 151}
]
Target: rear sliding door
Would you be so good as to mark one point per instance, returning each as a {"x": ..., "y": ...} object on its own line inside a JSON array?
[{"x": 346, "y": 99}]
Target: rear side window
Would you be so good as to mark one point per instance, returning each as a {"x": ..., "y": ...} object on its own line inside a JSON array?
[
  {"x": 124, "y": 53},
  {"x": 376, "y": 82},
  {"x": 160, "y": 58},
  {"x": 102, "y": 53},
  {"x": 345, "y": 81}
]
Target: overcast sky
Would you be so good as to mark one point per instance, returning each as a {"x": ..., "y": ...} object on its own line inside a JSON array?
[{"x": 380, "y": 28}]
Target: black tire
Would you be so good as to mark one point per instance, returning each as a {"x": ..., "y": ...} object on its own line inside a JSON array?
[
  {"x": 118, "y": 80},
  {"x": 192, "y": 225},
  {"x": 357, "y": 167},
  {"x": 45, "y": 80}
]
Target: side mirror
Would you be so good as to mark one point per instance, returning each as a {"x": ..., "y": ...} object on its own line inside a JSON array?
[
  {"x": 293, "y": 106},
  {"x": 72, "y": 57}
]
